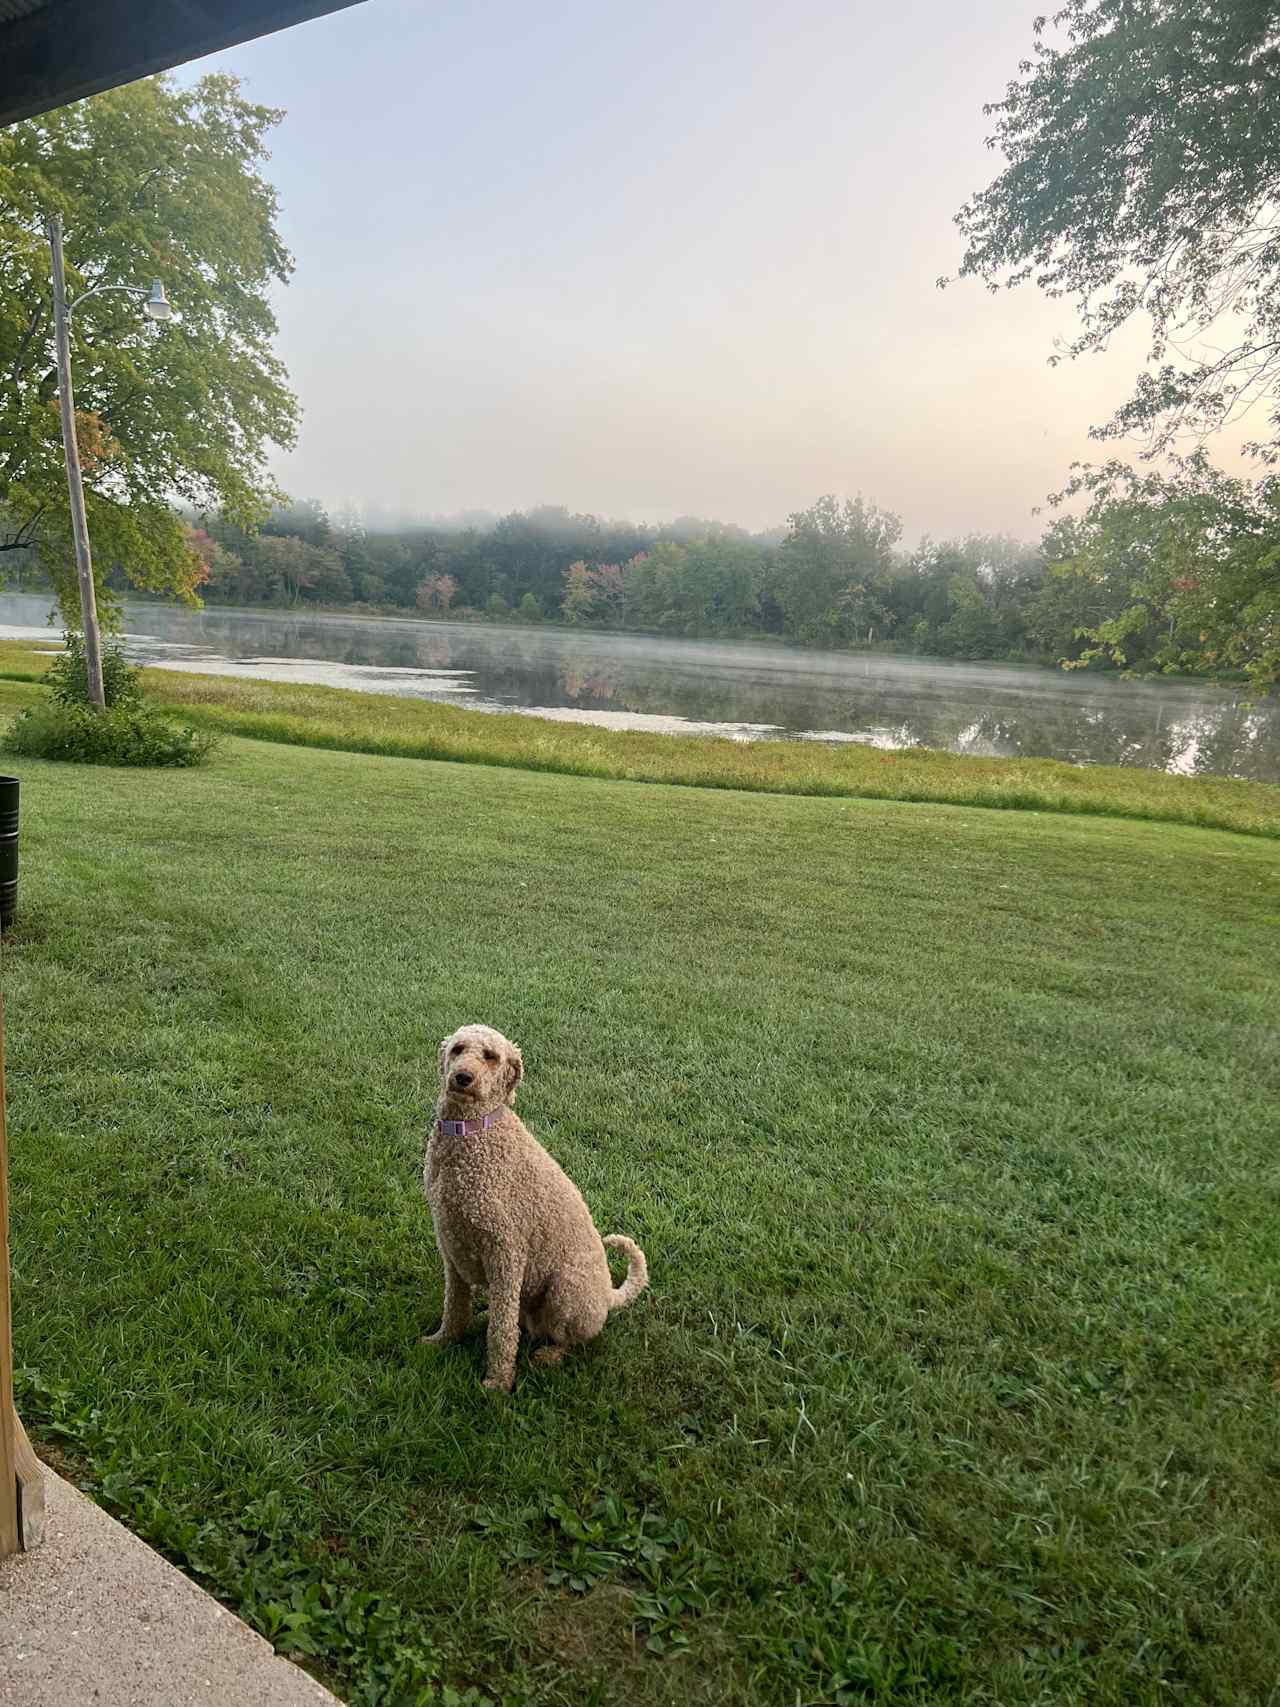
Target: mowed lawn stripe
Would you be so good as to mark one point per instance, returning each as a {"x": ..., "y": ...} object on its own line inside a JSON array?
[{"x": 950, "y": 1136}]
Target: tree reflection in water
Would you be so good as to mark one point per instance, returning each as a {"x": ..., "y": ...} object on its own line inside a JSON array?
[{"x": 742, "y": 690}]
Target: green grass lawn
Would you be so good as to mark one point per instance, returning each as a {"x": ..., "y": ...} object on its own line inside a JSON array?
[{"x": 950, "y": 1136}]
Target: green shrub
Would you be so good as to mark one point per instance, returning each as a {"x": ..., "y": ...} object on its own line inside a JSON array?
[
  {"x": 128, "y": 733},
  {"x": 68, "y": 675}
]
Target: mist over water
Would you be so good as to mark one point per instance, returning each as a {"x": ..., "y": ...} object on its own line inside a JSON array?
[{"x": 745, "y": 692}]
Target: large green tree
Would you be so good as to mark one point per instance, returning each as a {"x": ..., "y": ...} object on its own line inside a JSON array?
[
  {"x": 833, "y": 569},
  {"x": 151, "y": 180},
  {"x": 1142, "y": 143}
]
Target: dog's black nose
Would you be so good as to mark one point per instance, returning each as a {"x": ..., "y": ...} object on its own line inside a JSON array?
[{"x": 462, "y": 1079}]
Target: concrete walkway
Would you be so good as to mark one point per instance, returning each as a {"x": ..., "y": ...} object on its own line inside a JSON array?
[{"x": 94, "y": 1618}]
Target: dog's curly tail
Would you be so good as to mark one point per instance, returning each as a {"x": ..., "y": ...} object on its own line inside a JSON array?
[{"x": 637, "y": 1271}]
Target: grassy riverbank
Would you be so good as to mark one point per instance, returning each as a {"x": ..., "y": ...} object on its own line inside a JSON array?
[
  {"x": 949, "y": 1134},
  {"x": 337, "y": 719}
]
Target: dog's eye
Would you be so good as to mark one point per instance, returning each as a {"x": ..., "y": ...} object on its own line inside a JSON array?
[
  {"x": 489, "y": 1055},
  {"x": 456, "y": 1050}
]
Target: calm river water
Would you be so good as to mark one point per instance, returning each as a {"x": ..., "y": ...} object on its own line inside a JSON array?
[{"x": 748, "y": 692}]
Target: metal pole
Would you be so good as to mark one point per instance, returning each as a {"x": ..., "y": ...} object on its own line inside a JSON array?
[
  {"x": 75, "y": 486},
  {"x": 10, "y": 1536}
]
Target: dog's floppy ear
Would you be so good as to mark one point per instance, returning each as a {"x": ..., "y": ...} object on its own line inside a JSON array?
[
  {"x": 444, "y": 1049},
  {"x": 515, "y": 1068}
]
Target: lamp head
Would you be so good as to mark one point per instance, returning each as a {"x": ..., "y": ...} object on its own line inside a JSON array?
[{"x": 157, "y": 306}]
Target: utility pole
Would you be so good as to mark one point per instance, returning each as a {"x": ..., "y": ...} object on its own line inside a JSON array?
[{"x": 75, "y": 485}]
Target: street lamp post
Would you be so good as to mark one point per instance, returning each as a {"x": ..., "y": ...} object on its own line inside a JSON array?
[{"x": 156, "y": 308}]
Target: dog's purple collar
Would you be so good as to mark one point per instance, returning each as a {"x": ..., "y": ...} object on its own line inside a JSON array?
[{"x": 467, "y": 1128}]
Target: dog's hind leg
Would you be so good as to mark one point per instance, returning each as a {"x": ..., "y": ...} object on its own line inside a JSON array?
[{"x": 574, "y": 1312}]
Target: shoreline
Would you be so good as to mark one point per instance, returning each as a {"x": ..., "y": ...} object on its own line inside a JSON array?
[
  {"x": 333, "y": 718},
  {"x": 714, "y": 637}
]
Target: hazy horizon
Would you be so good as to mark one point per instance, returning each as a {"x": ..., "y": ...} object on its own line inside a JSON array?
[
  {"x": 661, "y": 264},
  {"x": 375, "y": 518}
]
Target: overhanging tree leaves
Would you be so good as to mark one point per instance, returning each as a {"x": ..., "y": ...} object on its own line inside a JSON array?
[
  {"x": 151, "y": 181},
  {"x": 1143, "y": 178},
  {"x": 1185, "y": 566}
]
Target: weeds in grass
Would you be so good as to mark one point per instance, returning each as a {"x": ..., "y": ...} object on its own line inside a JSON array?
[
  {"x": 254, "y": 1559},
  {"x": 129, "y": 734},
  {"x": 671, "y": 1578},
  {"x": 128, "y": 731}
]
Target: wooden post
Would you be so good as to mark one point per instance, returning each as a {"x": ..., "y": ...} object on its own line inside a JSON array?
[
  {"x": 21, "y": 1482},
  {"x": 75, "y": 483}
]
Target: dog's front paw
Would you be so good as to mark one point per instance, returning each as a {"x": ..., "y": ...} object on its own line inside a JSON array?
[
  {"x": 499, "y": 1383},
  {"x": 437, "y": 1338}
]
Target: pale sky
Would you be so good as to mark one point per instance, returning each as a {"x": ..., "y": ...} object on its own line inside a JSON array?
[{"x": 657, "y": 260}]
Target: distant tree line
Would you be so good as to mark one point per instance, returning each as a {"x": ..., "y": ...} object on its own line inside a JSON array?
[{"x": 1177, "y": 571}]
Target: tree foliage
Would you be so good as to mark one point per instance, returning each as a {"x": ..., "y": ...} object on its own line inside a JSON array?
[
  {"x": 1142, "y": 143},
  {"x": 1182, "y": 570},
  {"x": 151, "y": 181},
  {"x": 831, "y": 563},
  {"x": 1173, "y": 572}
]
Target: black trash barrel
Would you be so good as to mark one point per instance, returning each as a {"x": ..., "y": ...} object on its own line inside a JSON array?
[{"x": 8, "y": 851}]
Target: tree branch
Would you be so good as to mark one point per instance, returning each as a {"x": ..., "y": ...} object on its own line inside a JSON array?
[
  {"x": 33, "y": 324},
  {"x": 17, "y": 542}
]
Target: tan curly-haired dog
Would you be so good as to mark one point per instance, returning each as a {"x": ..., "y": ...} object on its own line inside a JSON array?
[{"x": 509, "y": 1219}]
